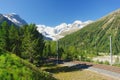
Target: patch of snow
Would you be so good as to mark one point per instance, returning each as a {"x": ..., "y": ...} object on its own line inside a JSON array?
[
  {"x": 13, "y": 17},
  {"x": 54, "y": 32}
]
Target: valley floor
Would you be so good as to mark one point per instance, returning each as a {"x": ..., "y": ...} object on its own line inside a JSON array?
[
  {"x": 81, "y": 75},
  {"x": 83, "y": 71}
]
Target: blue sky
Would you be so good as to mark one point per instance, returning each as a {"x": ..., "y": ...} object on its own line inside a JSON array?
[{"x": 54, "y": 12}]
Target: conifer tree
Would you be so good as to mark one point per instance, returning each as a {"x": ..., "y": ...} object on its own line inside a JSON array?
[
  {"x": 4, "y": 40},
  {"x": 15, "y": 42},
  {"x": 32, "y": 43}
]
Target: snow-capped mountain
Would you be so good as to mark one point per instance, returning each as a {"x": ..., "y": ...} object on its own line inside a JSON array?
[
  {"x": 61, "y": 30},
  {"x": 51, "y": 33},
  {"x": 16, "y": 19},
  {"x": 2, "y": 19}
]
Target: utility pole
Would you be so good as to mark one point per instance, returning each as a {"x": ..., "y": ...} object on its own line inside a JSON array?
[
  {"x": 110, "y": 51},
  {"x": 57, "y": 50}
]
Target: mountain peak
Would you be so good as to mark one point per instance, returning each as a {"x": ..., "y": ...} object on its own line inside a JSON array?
[
  {"x": 114, "y": 13},
  {"x": 61, "y": 30},
  {"x": 12, "y": 14},
  {"x": 118, "y": 11},
  {"x": 78, "y": 22},
  {"x": 95, "y": 36},
  {"x": 16, "y": 19}
]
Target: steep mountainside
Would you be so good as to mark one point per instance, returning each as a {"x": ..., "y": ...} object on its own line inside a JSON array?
[
  {"x": 16, "y": 19},
  {"x": 12, "y": 19},
  {"x": 95, "y": 36},
  {"x": 2, "y": 19}
]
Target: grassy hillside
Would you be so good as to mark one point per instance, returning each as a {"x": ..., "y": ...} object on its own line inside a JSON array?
[
  {"x": 94, "y": 38},
  {"x": 15, "y": 68}
]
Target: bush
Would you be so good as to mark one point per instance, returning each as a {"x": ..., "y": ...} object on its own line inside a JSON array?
[
  {"x": 99, "y": 62},
  {"x": 106, "y": 62},
  {"x": 15, "y": 68},
  {"x": 117, "y": 60}
]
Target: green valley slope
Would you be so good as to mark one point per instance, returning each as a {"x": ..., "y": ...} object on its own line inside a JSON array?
[
  {"x": 15, "y": 68},
  {"x": 95, "y": 36}
]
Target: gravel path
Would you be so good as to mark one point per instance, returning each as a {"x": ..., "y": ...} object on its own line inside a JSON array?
[{"x": 107, "y": 70}]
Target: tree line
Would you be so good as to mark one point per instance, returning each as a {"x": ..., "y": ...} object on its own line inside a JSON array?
[{"x": 26, "y": 42}]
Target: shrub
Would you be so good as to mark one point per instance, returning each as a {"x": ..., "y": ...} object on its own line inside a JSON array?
[
  {"x": 15, "y": 68},
  {"x": 106, "y": 62}
]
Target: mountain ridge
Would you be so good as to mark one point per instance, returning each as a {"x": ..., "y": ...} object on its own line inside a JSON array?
[
  {"x": 50, "y": 33},
  {"x": 58, "y": 31},
  {"x": 2, "y": 19},
  {"x": 94, "y": 38},
  {"x": 12, "y": 18},
  {"x": 16, "y": 19}
]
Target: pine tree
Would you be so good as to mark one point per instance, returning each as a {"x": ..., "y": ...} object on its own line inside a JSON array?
[
  {"x": 4, "y": 40},
  {"x": 15, "y": 42},
  {"x": 32, "y": 43}
]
